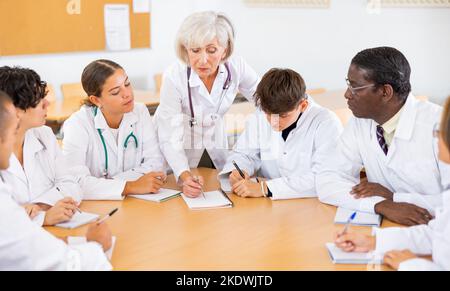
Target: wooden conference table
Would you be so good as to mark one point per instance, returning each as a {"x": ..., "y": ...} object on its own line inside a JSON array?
[{"x": 256, "y": 234}]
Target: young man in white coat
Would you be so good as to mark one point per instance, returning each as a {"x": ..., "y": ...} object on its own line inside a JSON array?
[
  {"x": 285, "y": 143},
  {"x": 25, "y": 245},
  {"x": 38, "y": 172},
  {"x": 390, "y": 137},
  {"x": 403, "y": 246}
]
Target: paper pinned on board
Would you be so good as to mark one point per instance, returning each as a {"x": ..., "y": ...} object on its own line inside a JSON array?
[
  {"x": 117, "y": 27},
  {"x": 141, "y": 6}
]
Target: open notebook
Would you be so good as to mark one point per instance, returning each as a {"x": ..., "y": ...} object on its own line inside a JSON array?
[
  {"x": 213, "y": 199},
  {"x": 78, "y": 240},
  {"x": 163, "y": 195},
  {"x": 338, "y": 256},
  {"x": 362, "y": 218},
  {"x": 79, "y": 219}
]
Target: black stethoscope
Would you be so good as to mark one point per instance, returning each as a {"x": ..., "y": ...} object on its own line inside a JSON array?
[
  {"x": 226, "y": 85},
  {"x": 125, "y": 144}
]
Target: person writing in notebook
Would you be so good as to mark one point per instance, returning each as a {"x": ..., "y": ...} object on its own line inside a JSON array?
[
  {"x": 38, "y": 171},
  {"x": 403, "y": 246},
  {"x": 111, "y": 140},
  {"x": 27, "y": 246},
  {"x": 388, "y": 137},
  {"x": 196, "y": 93},
  {"x": 284, "y": 143}
]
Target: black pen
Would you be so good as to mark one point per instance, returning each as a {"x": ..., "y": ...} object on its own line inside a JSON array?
[
  {"x": 226, "y": 196},
  {"x": 107, "y": 216},
  {"x": 238, "y": 169}
]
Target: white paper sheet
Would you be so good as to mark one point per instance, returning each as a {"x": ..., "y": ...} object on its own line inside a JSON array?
[
  {"x": 117, "y": 27},
  {"x": 362, "y": 218},
  {"x": 163, "y": 195},
  {"x": 79, "y": 219},
  {"x": 213, "y": 199},
  {"x": 338, "y": 256},
  {"x": 141, "y": 6}
]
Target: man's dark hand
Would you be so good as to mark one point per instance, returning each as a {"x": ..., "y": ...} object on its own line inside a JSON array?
[
  {"x": 367, "y": 189},
  {"x": 403, "y": 213}
]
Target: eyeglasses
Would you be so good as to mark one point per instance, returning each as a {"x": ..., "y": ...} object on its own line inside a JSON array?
[
  {"x": 436, "y": 130},
  {"x": 354, "y": 89}
]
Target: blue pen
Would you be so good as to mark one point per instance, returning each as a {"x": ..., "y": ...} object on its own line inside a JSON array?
[{"x": 349, "y": 220}]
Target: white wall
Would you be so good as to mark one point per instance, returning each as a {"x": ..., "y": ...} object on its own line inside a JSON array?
[{"x": 317, "y": 43}]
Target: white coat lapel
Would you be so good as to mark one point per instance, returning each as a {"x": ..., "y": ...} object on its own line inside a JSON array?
[
  {"x": 32, "y": 152},
  {"x": 405, "y": 125},
  {"x": 100, "y": 124},
  {"x": 127, "y": 126},
  {"x": 15, "y": 169}
]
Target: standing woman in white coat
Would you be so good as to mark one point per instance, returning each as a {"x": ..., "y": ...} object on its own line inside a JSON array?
[
  {"x": 111, "y": 140},
  {"x": 402, "y": 246},
  {"x": 38, "y": 172},
  {"x": 196, "y": 94}
]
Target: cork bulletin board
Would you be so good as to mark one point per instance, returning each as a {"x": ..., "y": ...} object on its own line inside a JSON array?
[{"x": 30, "y": 27}]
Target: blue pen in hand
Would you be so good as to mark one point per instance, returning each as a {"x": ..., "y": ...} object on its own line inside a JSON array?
[{"x": 349, "y": 220}]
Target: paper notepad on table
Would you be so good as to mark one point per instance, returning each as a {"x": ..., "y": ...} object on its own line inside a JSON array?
[
  {"x": 213, "y": 199},
  {"x": 362, "y": 218},
  {"x": 79, "y": 219},
  {"x": 338, "y": 256},
  {"x": 79, "y": 240},
  {"x": 163, "y": 195}
]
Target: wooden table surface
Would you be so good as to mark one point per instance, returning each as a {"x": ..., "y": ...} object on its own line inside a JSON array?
[{"x": 256, "y": 234}]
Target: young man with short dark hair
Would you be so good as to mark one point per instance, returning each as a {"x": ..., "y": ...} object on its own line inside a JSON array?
[{"x": 284, "y": 143}]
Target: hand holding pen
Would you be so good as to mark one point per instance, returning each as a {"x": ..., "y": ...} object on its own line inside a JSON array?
[
  {"x": 349, "y": 221},
  {"x": 197, "y": 180},
  {"x": 237, "y": 175},
  {"x": 64, "y": 195}
]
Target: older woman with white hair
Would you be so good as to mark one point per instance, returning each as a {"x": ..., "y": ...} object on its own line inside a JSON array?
[{"x": 195, "y": 95}]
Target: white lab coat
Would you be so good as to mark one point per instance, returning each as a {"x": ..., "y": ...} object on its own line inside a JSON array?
[
  {"x": 411, "y": 169},
  {"x": 45, "y": 169},
  {"x": 290, "y": 166},
  {"x": 24, "y": 246},
  {"x": 433, "y": 239},
  {"x": 83, "y": 148},
  {"x": 183, "y": 146}
]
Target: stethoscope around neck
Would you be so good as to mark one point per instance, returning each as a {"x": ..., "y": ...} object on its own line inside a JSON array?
[
  {"x": 226, "y": 85},
  {"x": 125, "y": 144}
]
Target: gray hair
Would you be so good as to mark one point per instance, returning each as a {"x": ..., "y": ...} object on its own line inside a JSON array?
[{"x": 201, "y": 27}]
